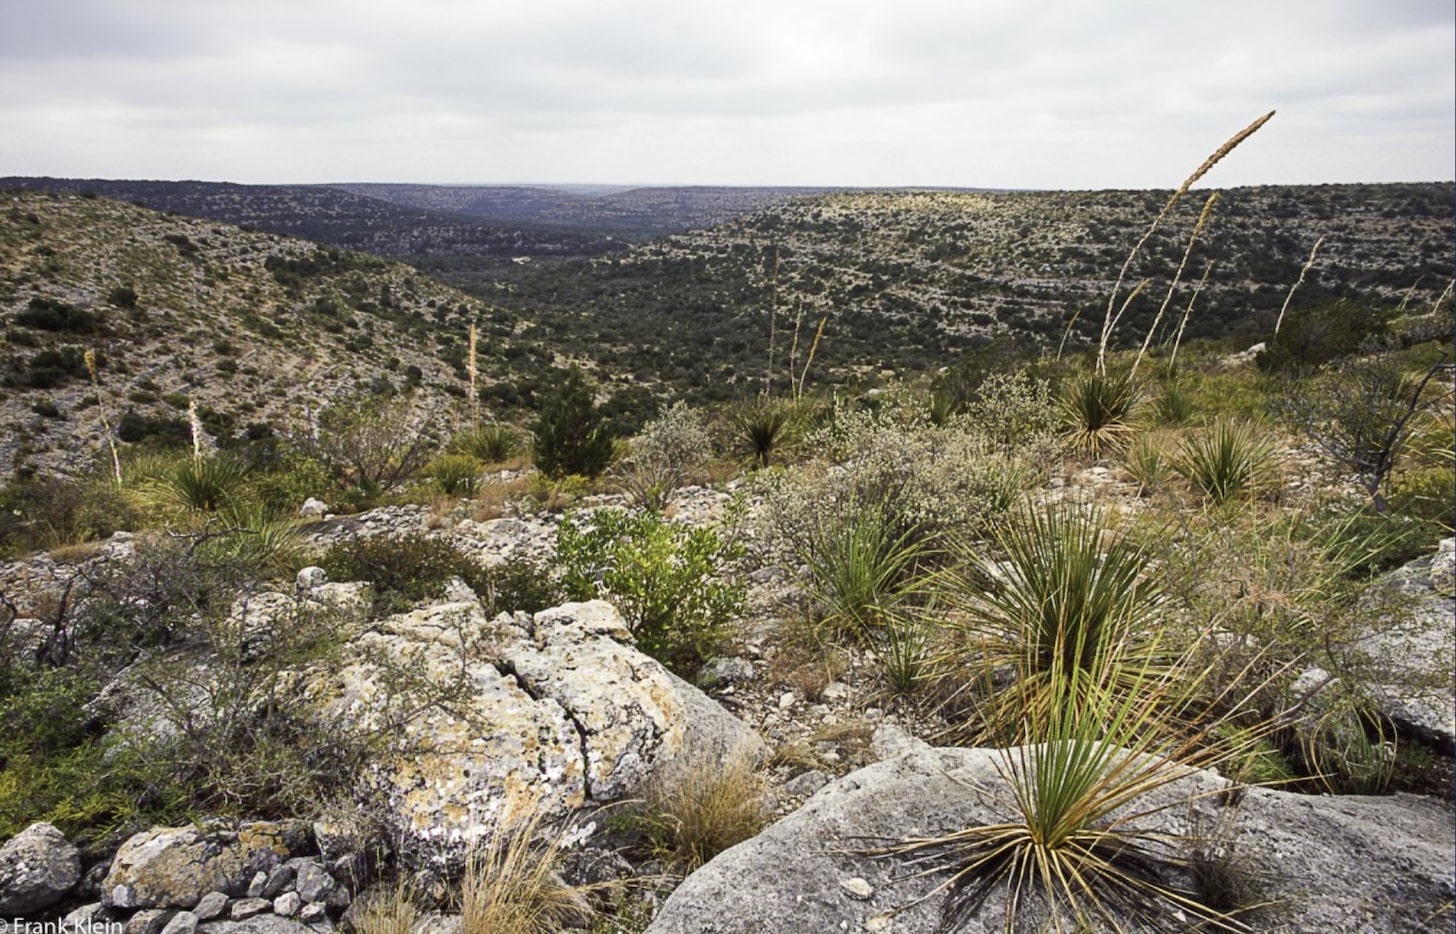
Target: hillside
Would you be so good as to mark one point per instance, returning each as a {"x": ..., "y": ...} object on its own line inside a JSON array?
[
  {"x": 336, "y": 217},
  {"x": 906, "y": 280},
  {"x": 627, "y": 211},
  {"x": 257, "y": 329}
]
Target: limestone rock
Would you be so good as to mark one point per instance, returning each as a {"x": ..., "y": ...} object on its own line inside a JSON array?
[
  {"x": 720, "y": 671},
  {"x": 1332, "y": 864},
  {"x": 1413, "y": 648},
  {"x": 212, "y": 905},
  {"x": 547, "y": 714},
  {"x": 183, "y": 922},
  {"x": 174, "y": 867},
  {"x": 38, "y": 866}
]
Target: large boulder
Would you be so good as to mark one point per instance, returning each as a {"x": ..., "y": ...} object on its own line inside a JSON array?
[
  {"x": 495, "y": 720},
  {"x": 38, "y": 866},
  {"x": 1412, "y": 649},
  {"x": 1327, "y": 864},
  {"x": 174, "y": 867}
]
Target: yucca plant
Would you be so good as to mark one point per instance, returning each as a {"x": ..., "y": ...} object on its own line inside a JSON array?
[
  {"x": 1066, "y": 589},
  {"x": 1099, "y": 406},
  {"x": 902, "y": 649},
  {"x": 456, "y": 474},
  {"x": 1103, "y": 739},
  {"x": 257, "y": 536},
  {"x": 205, "y": 484},
  {"x": 861, "y": 567},
  {"x": 491, "y": 443},
  {"x": 1149, "y": 460},
  {"x": 1226, "y": 460},
  {"x": 764, "y": 427}
]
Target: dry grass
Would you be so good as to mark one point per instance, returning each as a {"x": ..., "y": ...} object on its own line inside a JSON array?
[
  {"x": 511, "y": 886},
  {"x": 705, "y": 810},
  {"x": 387, "y": 911}
]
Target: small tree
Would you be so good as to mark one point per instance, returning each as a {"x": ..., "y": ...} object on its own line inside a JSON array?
[
  {"x": 570, "y": 436},
  {"x": 1362, "y": 414}
]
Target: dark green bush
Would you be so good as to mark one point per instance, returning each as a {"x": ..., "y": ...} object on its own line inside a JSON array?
[
  {"x": 52, "y": 511},
  {"x": 404, "y": 569},
  {"x": 570, "y": 436},
  {"x": 520, "y": 584},
  {"x": 48, "y": 314}
]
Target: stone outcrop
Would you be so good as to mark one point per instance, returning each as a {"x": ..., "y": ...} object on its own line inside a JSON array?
[
  {"x": 175, "y": 867},
  {"x": 1413, "y": 649},
  {"x": 507, "y": 717},
  {"x": 38, "y": 866},
  {"x": 1327, "y": 864}
]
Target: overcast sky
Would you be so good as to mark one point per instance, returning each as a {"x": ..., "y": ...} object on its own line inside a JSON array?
[{"x": 1030, "y": 94}]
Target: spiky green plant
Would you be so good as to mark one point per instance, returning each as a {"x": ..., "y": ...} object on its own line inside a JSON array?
[
  {"x": 902, "y": 649},
  {"x": 1102, "y": 747},
  {"x": 762, "y": 428},
  {"x": 1226, "y": 460},
  {"x": 491, "y": 443},
  {"x": 206, "y": 484},
  {"x": 1066, "y": 590},
  {"x": 1099, "y": 406},
  {"x": 861, "y": 567},
  {"x": 455, "y": 474}
]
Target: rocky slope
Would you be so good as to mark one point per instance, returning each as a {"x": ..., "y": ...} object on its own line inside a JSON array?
[{"x": 256, "y": 329}]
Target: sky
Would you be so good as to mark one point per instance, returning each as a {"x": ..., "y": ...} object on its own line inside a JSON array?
[{"x": 1065, "y": 94}]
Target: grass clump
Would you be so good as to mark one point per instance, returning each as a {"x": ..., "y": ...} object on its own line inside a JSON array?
[
  {"x": 511, "y": 885},
  {"x": 705, "y": 810}
]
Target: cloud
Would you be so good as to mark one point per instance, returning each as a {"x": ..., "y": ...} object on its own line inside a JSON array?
[{"x": 1054, "y": 93}]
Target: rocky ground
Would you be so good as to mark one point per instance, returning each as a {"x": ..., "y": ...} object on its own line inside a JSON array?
[{"x": 572, "y": 717}]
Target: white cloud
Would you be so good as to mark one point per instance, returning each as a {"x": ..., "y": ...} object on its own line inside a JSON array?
[{"x": 1054, "y": 93}]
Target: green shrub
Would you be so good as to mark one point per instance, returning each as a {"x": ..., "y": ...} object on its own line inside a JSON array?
[
  {"x": 570, "y": 434},
  {"x": 46, "y": 314},
  {"x": 520, "y": 584},
  {"x": 666, "y": 578},
  {"x": 404, "y": 569},
  {"x": 52, "y": 511}
]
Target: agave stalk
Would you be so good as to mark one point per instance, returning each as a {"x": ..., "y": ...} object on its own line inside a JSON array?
[
  {"x": 1297, "y": 283},
  {"x": 1109, "y": 320},
  {"x": 1178, "y": 339},
  {"x": 90, "y": 358},
  {"x": 470, "y": 368},
  {"x": 1177, "y": 276},
  {"x": 813, "y": 348}
]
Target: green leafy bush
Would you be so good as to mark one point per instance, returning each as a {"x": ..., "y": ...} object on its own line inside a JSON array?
[
  {"x": 666, "y": 578},
  {"x": 404, "y": 569}
]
